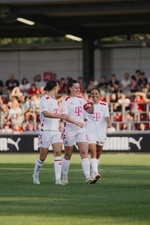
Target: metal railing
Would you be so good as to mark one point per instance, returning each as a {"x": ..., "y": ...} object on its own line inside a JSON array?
[{"x": 122, "y": 119}]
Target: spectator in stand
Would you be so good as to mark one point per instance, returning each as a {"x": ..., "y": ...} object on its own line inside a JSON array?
[
  {"x": 35, "y": 102},
  {"x": 42, "y": 91},
  {"x": 139, "y": 102},
  {"x": 103, "y": 83},
  {"x": 137, "y": 74},
  {"x": 113, "y": 84},
  {"x": 117, "y": 119},
  {"x": 133, "y": 86},
  {"x": 30, "y": 127},
  {"x": 25, "y": 103},
  {"x": 30, "y": 115},
  {"x": 62, "y": 86},
  {"x": 17, "y": 128},
  {"x": 35, "y": 105},
  {"x": 82, "y": 84},
  {"x": 25, "y": 86},
  {"x": 139, "y": 107},
  {"x": 16, "y": 93},
  {"x": 4, "y": 111},
  {"x": 33, "y": 90},
  {"x": 92, "y": 83},
  {"x": 15, "y": 112},
  {"x": 1, "y": 87},
  {"x": 123, "y": 103},
  {"x": 6, "y": 128},
  {"x": 142, "y": 126},
  {"x": 113, "y": 102},
  {"x": 1, "y": 101},
  {"x": 4, "y": 99},
  {"x": 103, "y": 96},
  {"x": 127, "y": 122},
  {"x": 11, "y": 83},
  {"x": 142, "y": 82},
  {"x": 148, "y": 90},
  {"x": 38, "y": 81},
  {"x": 30, "y": 110},
  {"x": 125, "y": 84}
]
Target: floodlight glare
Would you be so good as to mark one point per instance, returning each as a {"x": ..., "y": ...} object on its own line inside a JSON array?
[
  {"x": 72, "y": 37},
  {"x": 28, "y": 22}
]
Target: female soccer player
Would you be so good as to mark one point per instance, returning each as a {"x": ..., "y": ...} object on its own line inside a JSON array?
[
  {"x": 74, "y": 132},
  {"x": 49, "y": 132},
  {"x": 96, "y": 126}
]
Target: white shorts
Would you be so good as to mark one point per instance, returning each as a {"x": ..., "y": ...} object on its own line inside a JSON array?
[
  {"x": 46, "y": 138},
  {"x": 94, "y": 139},
  {"x": 70, "y": 138}
]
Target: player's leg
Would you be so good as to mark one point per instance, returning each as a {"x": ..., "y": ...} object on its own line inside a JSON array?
[
  {"x": 38, "y": 164},
  {"x": 82, "y": 144},
  {"x": 44, "y": 142},
  {"x": 57, "y": 148},
  {"x": 69, "y": 141},
  {"x": 83, "y": 150},
  {"x": 66, "y": 163},
  {"x": 93, "y": 160},
  {"x": 98, "y": 153},
  {"x": 92, "y": 137}
]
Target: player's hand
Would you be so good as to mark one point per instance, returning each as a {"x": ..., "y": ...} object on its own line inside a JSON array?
[
  {"x": 91, "y": 102},
  {"x": 80, "y": 124},
  {"x": 61, "y": 127},
  {"x": 109, "y": 125},
  {"x": 64, "y": 117}
]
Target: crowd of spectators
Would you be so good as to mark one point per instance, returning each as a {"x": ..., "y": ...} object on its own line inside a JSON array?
[{"x": 128, "y": 98}]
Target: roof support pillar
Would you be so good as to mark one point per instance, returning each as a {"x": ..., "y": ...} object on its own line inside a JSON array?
[{"x": 88, "y": 59}]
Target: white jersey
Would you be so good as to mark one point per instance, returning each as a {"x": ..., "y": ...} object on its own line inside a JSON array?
[
  {"x": 95, "y": 123},
  {"x": 73, "y": 106},
  {"x": 50, "y": 105}
]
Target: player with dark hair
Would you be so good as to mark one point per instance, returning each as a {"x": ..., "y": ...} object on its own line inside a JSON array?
[
  {"x": 96, "y": 126},
  {"x": 49, "y": 132},
  {"x": 73, "y": 106}
]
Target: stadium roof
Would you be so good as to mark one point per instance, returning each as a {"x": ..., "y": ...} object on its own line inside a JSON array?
[
  {"x": 83, "y": 18},
  {"x": 87, "y": 19}
]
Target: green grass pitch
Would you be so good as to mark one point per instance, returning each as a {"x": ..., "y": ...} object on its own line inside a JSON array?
[{"x": 122, "y": 197}]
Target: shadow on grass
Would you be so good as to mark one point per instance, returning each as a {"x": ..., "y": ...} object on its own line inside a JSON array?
[{"x": 123, "y": 191}]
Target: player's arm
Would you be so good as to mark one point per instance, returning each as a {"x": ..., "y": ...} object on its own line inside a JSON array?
[
  {"x": 61, "y": 125},
  {"x": 107, "y": 117},
  {"x": 54, "y": 115},
  {"x": 108, "y": 121},
  {"x": 51, "y": 115},
  {"x": 70, "y": 120}
]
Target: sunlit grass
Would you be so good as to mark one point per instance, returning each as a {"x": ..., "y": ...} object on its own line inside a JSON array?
[{"x": 121, "y": 197}]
